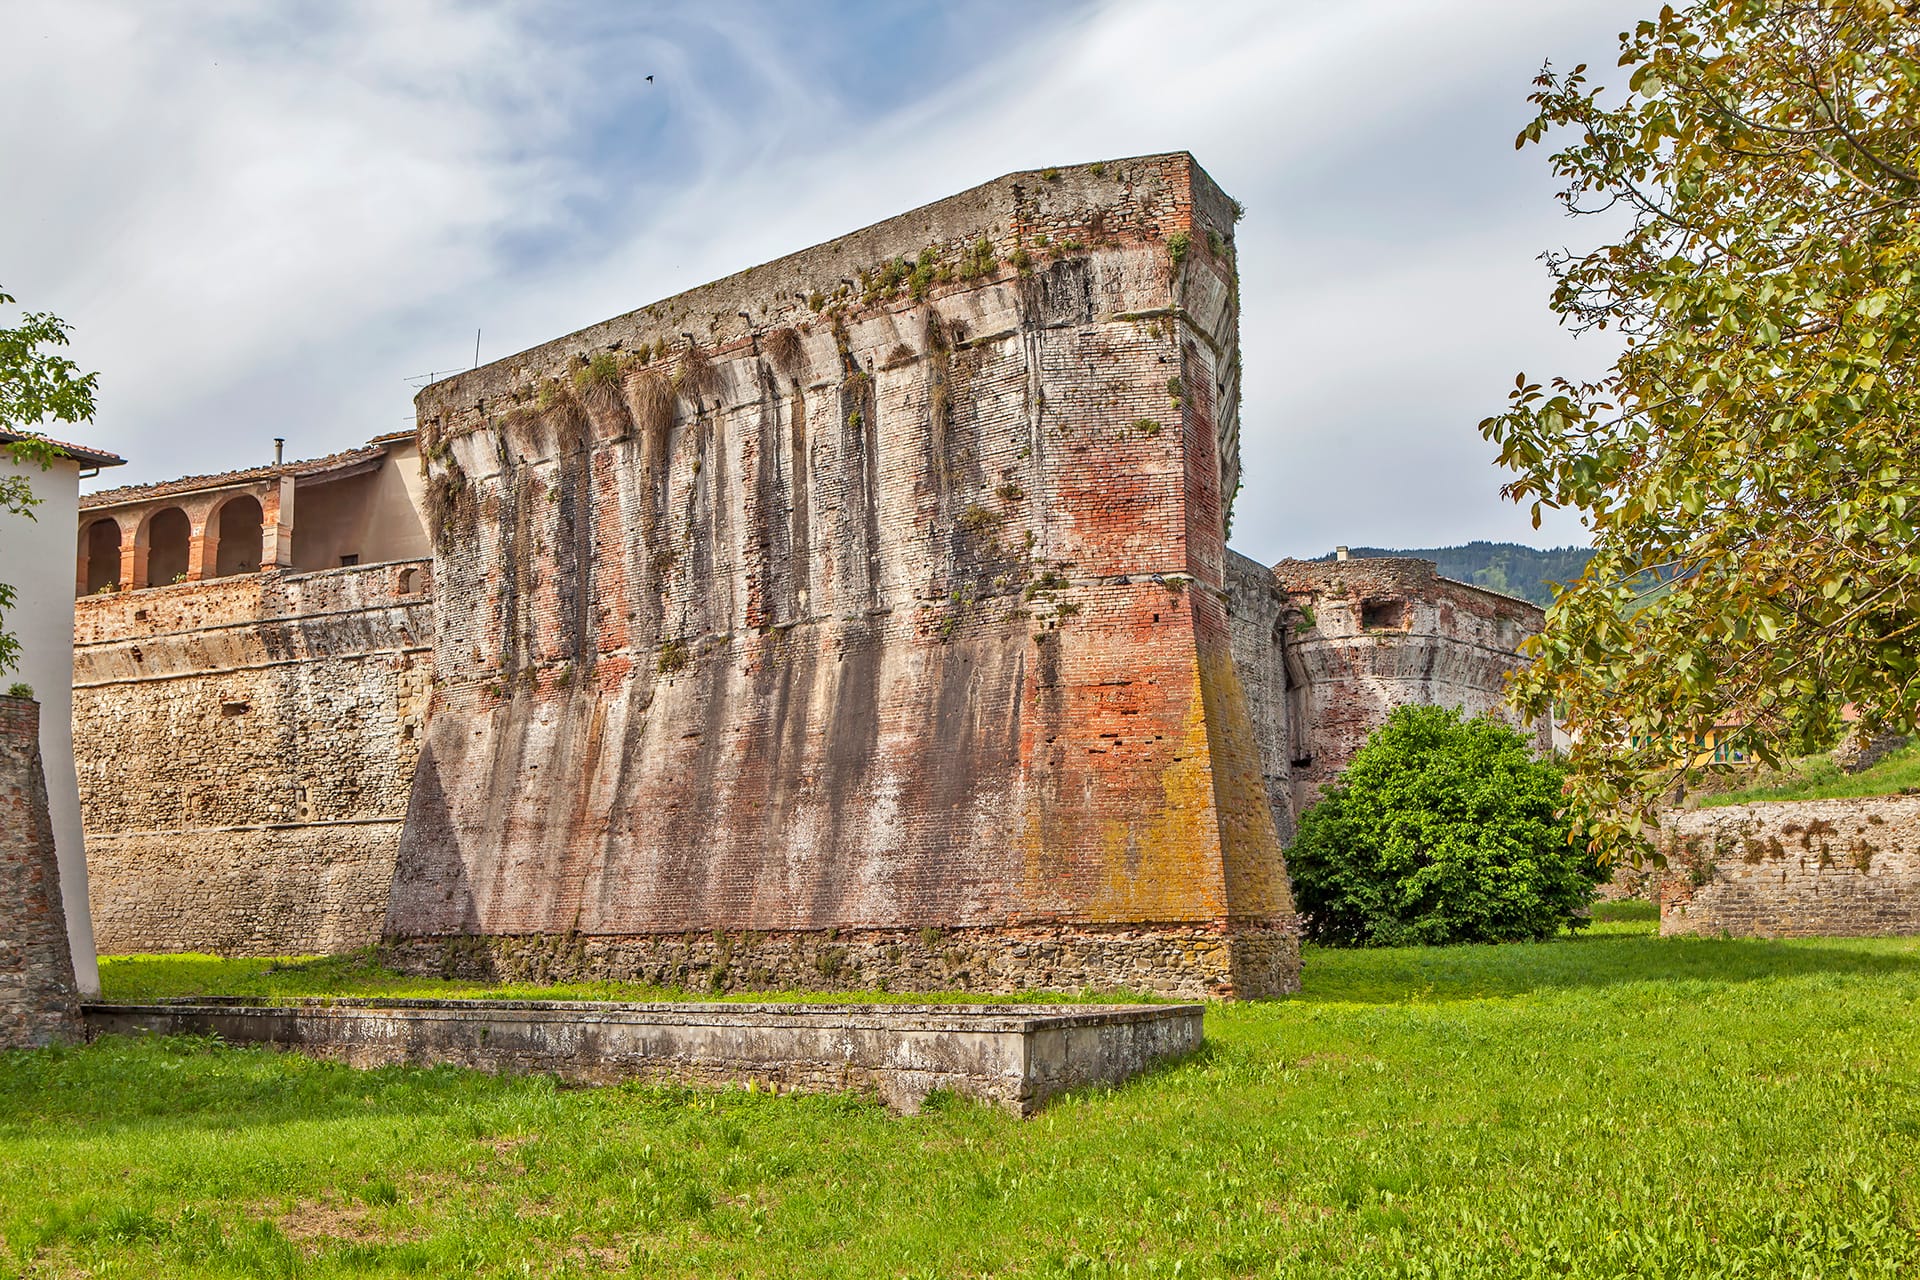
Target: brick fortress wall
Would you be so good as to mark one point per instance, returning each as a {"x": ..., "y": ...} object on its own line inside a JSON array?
[
  {"x": 245, "y": 747},
  {"x": 38, "y": 1001},
  {"x": 1797, "y": 868},
  {"x": 1374, "y": 634},
  {"x": 840, "y": 624}
]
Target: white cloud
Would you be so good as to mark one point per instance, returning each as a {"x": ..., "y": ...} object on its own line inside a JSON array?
[{"x": 267, "y": 246}]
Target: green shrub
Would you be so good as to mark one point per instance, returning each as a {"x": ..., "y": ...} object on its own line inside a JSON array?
[{"x": 1442, "y": 830}]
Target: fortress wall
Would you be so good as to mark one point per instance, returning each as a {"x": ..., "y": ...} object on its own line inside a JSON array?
[
  {"x": 889, "y": 646},
  {"x": 1259, "y": 626},
  {"x": 39, "y": 1003},
  {"x": 1376, "y": 634},
  {"x": 1793, "y": 868},
  {"x": 246, "y": 746}
]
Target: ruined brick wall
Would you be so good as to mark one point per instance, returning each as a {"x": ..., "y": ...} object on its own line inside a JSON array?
[
  {"x": 38, "y": 1001},
  {"x": 246, "y": 746},
  {"x": 1376, "y": 634},
  {"x": 860, "y": 616},
  {"x": 1801, "y": 868}
]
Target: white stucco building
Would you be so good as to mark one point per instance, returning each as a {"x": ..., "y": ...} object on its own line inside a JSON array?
[{"x": 36, "y": 559}]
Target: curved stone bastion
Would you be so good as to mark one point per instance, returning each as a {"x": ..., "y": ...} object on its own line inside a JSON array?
[{"x": 1013, "y": 1056}]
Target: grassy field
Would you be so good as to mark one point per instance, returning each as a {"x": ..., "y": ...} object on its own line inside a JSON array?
[
  {"x": 1613, "y": 1105},
  {"x": 1819, "y": 778}
]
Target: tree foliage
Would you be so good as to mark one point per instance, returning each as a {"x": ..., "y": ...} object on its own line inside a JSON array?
[
  {"x": 1441, "y": 830},
  {"x": 1751, "y": 462},
  {"x": 37, "y": 385}
]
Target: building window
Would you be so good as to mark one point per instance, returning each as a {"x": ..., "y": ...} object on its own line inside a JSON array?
[
  {"x": 1383, "y": 615},
  {"x": 347, "y": 560}
]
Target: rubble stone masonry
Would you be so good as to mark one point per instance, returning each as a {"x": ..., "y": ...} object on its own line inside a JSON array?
[
  {"x": 860, "y": 619},
  {"x": 1375, "y": 634},
  {"x": 1798, "y": 868},
  {"x": 245, "y": 746},
  {"x": 38, "y": 1001}
]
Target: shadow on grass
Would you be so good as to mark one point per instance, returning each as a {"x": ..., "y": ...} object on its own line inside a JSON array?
[{"x": 1402, "y": 975}]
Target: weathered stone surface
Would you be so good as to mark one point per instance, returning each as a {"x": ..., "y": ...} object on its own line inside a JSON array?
[
  {"x": 1375, "y": 634},
  {"x": 246, "y": 746},
  {"x": 901, "y": 610},
  {"x": 38, "y": 1001},
  {"x": 1191, "y": 961},
  {"x": 1015, "y": 1056},
  {"x": 1800, "y": 868},
  {"x": 1261, "y": 624}
]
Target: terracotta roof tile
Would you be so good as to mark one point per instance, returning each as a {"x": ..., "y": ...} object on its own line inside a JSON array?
[
  {"x": 78, "y": 452},
  {"x": 195, "y": 484}
]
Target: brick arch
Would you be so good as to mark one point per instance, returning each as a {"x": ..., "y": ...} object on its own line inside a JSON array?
[
  {"x": 234, "y": 536},
  {"x": 165, "y": 537},
  {"x": 101, "y": 546}
]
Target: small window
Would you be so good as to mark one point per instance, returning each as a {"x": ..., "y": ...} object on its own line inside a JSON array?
[
  {"x": 1383, "y": 615},
  {"x": 234, "y": 708},
  {"x": 349, "y": 560}
]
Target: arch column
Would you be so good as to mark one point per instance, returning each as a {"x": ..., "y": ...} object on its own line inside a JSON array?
[
  {"x": 133, "y": 560},
  {"x": 276, "y": 525},
  {"x": 202, "y": 546}
]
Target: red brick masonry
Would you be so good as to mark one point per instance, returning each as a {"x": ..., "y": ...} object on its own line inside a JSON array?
[
  {"x": 38, "y": 1003},
  {"x": 893, "y": 649}
]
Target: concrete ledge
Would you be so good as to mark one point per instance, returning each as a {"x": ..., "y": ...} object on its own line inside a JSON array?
[{"x": 1013, "y": 1056}]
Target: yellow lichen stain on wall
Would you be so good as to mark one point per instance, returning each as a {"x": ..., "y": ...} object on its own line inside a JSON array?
[{"x": 1256, "y": 870}]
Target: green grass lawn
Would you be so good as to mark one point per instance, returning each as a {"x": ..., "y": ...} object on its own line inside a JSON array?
[
  {"x": 1817, "y": 777},
  {"x": 1614, "y": 1105}
]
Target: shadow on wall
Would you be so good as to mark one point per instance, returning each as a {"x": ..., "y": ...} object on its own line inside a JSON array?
[{"x": 1442, "y": 974}]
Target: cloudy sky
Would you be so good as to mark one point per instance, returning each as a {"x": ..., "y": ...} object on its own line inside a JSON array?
[{"x": 270, "y": 218}]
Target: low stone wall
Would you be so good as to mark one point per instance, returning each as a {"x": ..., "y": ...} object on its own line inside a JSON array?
[
  {"x": 1187, "y": 962},
  {"x": 1013, "y": 1056},
  {"x": 1804, "y": 868},
  {"x": 38, "y": 1002}
]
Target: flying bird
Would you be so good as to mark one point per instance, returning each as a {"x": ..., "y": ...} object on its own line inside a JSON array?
[{"x": 649, "y": 79}]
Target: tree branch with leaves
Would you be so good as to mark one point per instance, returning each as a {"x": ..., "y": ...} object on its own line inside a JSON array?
[
  {"x": 1754, "y": 452},
  {"x": 37, "y": 386}
]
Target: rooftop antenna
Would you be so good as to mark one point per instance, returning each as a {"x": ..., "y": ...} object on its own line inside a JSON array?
[
  {"x": 279, "y": 450},
  {"x": 476, "y": 348}
]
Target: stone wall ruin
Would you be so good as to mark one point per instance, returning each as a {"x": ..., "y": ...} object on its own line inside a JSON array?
[
  {"x": 859, "y": 616},
  {"x": 39, "y": 1003},
  {"x": 1793, "y": 868},
  {"x": 1373, "y": 634}
]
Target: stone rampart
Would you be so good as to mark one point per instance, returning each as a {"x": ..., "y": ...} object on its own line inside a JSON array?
[
  {"x": 875, "y": 594},
  {"x": 246, "y": 745},
  {"x": 1376, "y": 634},
  {"x": 1786, "y": 869},
  {"x": 38, "y": 1001}
]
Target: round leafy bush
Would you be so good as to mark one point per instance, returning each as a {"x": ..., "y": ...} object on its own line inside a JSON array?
[{"x": 1442, "y": 830}]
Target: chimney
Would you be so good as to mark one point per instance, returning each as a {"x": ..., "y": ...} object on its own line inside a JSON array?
[
  {"x": 1341, "y": 553},
  {"x": 280, "y": 450}
]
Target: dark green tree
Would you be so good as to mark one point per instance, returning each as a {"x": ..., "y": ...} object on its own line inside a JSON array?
[
  {"x": 1442, "y": 830},
  {"x": 37, "y": 385}
]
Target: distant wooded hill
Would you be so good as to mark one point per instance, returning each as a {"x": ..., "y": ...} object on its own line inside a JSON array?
[{"x": 1506, "y": 567}]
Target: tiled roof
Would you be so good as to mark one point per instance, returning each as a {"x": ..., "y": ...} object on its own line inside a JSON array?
[
  {"x": 194, "y": 484},
  {"x": 78, "y": 452}
]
